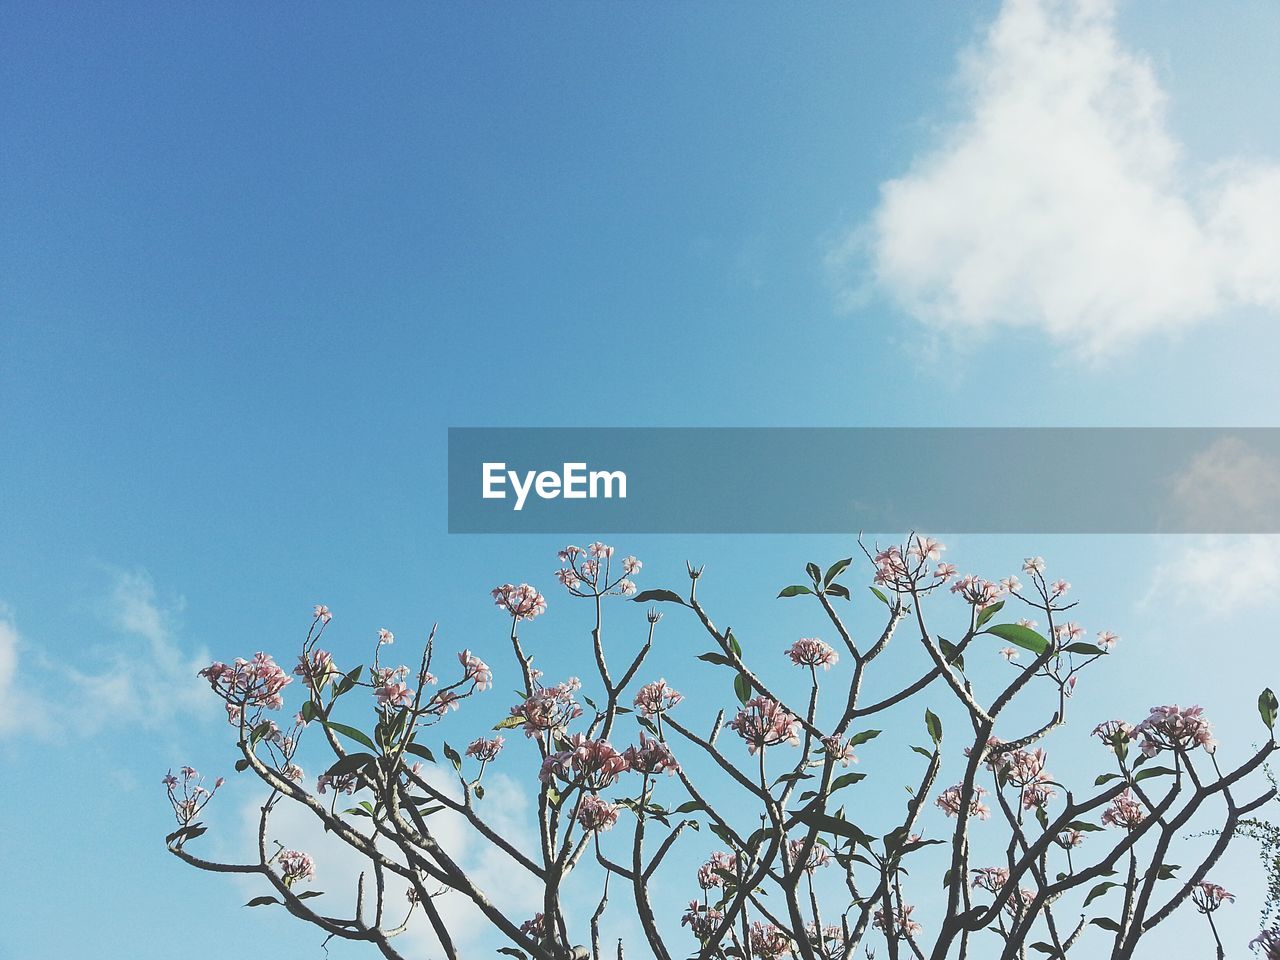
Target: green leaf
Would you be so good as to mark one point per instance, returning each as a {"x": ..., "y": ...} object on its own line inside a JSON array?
[
  {"x": 309, "y": 711},
  {"x": 951, "y": 653},
  {"x": 1152, "y": 772},
  {"x": 988, "y": 612},
  {"x": 1086, "y": 648},
  {"x": 845, "y": 780},
  {"x": 734, "y": 645},
  {"x": 308, "y": 894},
  {"x": 349, "y": 764},
  {"x": 1106, "y": 923},
  {"x": 513, "y": 952},
  {"x": 261, "y": 901},
  {"x": 242, "y": 765},
  {"x": 351, "y": 732},
  {"x": 1048, "y": 948},
  {"x": 508, "y": 722},
  {"x": 453, "y": 756},
  {"x": 795, "y": 591},
  {"x": 934, "y": 726},
  {"x": 1020, "y": 636},
  {"x": 836, "y": 569},
  {"x": 689, "y": 806},
  {"x": 923, "y": 752},
  {"x": 659, "y": 596},
  {"x": 1084, "y": 826},
  {"x": 826, "y": 823},
  {"x": 347, "y": 682},
  {"x": 879, "y": 594},
  {"x": 837, "y": 590},
  {"x": 1268, "y": 708},
  {"x": 814, "y": 572},
  {"x": 717, "y": 658},
  {"x": 1105, "y": 778},
  {"x": 419, "y": 750},
  {"x": 860, "y": 738},
  {"x": 742, "y": 687}
]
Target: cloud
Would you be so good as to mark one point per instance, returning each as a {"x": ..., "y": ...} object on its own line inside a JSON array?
[
  {"x": 140, "y": 673},
  {"x": 1061, "y": 201},
  {"x": 1218, "y": 575},
  {"x": 1228, "y": 486}
]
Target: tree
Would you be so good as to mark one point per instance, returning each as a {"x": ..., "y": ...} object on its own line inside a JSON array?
[{"x": 1026, "y": 864}]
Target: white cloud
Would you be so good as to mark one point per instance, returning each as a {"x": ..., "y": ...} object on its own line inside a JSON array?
[
  {"x": 1061, "y": 200},
  {"x": 1218, "y": 575},
  {"x": 138, "y": 672},
  {"x": 1230, "y": 485}
]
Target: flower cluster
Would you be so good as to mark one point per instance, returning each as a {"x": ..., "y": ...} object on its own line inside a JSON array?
[
  {"x": 1174, "y": 728},
  {"x": 316, "y": 668},
  {"x": 1025, "y": 769},
  {"x": 901, "y": 926},
  {"x": 991, "y": 879},
  {"x": 650, "y": 757},
  {"x": 188, "y": 794},
  {"x": 475, "y": 670},
  {"x": 840, "y": 751},
  {"x": 590, "y": 764},
  {"x": 534, "y": 927},
  {"x": 951, "y": 800},
  {"x": 712, "y": 873},
  {"x": 1268, "y": 941},
  {"x": 978, "y": 592},
  {"x": 485, "y": 750},
  {"x": 813, "y": 653},
  {"x": 248, "y": 683},
  {"x": 596, "y": 814},
  {"x": 819, "y": 855},
  {"x": 391, "y": 690},
  {"x": 701, "y": 919},
  {"x": 549, "y": 709},
  {"x": 342, "y": 783},
  {"x": 653, "y": 698},
  {"x": 765, "y": 723},
  {"x": 768, "y": 942},
  {"x": 1208, "y": 897},
  {"x": 587, "y": 572},
  {"x": 523, "y": 602},
  {"x": 1124, "y": 811},
  {"x": 295, "y": 866}
]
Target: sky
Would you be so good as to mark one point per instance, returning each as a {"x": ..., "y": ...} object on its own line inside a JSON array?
[{"x": 256, "y": 261}]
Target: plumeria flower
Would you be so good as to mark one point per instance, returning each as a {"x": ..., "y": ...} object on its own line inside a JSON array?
[
  {"x": 322, "y": 613},
  {"x": 949, "y": 801},
  {"x": 1124, "y": 812},
  {"x": 1174, "y": 728},
  {"x": 1009, "y": 653},
  {"x": 523, "y": 602},
  {"x": 1033, "y": 565},
  {"x": 926, "y": 548},
  {"x": 597, "y": 815},
  {"x": 654, "y": 698},
  {"x": 1107, "y": 640},
  {"x": 385, "y": 636},
  {"x": 1010, "y": 585},
  {"x": 812, "y": 652},
  {"x": 485, "y": 750},
  {"x": 1208, "y": 897},
  {"x": 295, "y": 866},
  {"x": 765, "y": 723},
  {"x": 476, "y": 670},
  {"x": 840, "y": 751},
  {"x": 393, "y": 693},
  {"x": 1059, "y": 587},
  {"x": 1029, "y": 624}
]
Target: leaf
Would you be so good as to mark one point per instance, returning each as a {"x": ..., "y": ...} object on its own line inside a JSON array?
[
  {"x": 826, "y": 823},
  {"x": 351, "y": 732},
  {"x": 1106, "y": 923},
  {"x": 513, "y": 952},
  {"x": 349, "y": 764},
  {"x": 309, "y": 711},
  {"x": 815, "y": 574},
  {"x": 734, "y": 645},
  {"x": 1087, "y": 648},
  {"x": 308, "y": 894},
  {"x": 845, "y": 780},
  {"x": 880, "y": 596},
  {"x": 950, "y": 652},
  {"x": 1268, "y": 708},
  {"x": 837, "y": 590},
  {"x": 717, "y": 658},
  {"x": 795, "y": 591},
  {"x": 923, "y": 752},
  {"x": 1048, "y": 948},
  {"x": 479, "y": 791},
  {"x": 1152, "y": 772},
  {"x": 742, "y": 687},
  {"x": 419, "y": 750},
  {"x": 660, "y": 596},
  {"x": 242, "y": 765},
  {"x": 261, "y": 901},
  {"x": 860, "y": 738},
  {"x": 1020, "y": 636},
  {"x": 1084, "y": 826},
  {"x": 508, "y": 722},
  {"x": 836, "y": 569},
  {"x": 988, "y": 612},
  {"x": 689, "y": 806},
  {"x": 348, "y": 682},
  {"x": 1105, "y": 778},
  {"x": 453, "y": 756},
  {"x": 183, "y": 834},
  {"x": 934, "y": 726}
]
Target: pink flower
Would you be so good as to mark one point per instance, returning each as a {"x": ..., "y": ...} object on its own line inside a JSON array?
[
  {"x": 976, "y": 591},
  {"x": 1107, "y": 640},
  {"x": 343, "y": 783},
  {"x": 765, "y": 723},
  {"x": 631, "y": 566},
  {"x": 590, "y": 764},
  {"x": 393, "y": 693},
  {"x": 1009, "y": 653},
  {"x": 1110, "y": 730},
  {"x": 813, "y": 653},
  {"x": 523, "y": 602},
  {"x": 533, "y": 928},
  {"x": 569, "y": 552},
  {"x": 701, "y": 919},
  {"x": 385, "y": 636},
  {"x": 926, "y": 548},
  {"x": 597, "y": 815},
  {"x": 322, "y": 613},
  {"x": 1010, "y": 585},
  {"x": 841, "y": 752},
  {"x": 295, "y": 866},
  {"x": 317, "y": 669},
  {"x": 1172, "y": 728},
  {"x": 819, "y": 856},
  {"x": 901, "y": 926},
  {"x": 549, "y": 709},
  {"x": 945, "y": 571},
  {"x": 1033, "y": 565},
  {"x": 1059, "y": 587},
  {"x": 600, "y": 551},
  {"x": 248, "y": 683},
  {"x": 950, "y": 802},
  {"x": 768, "y": 942},
  {"x": 1069, "y": 632},
  {"x": 475, "y": 669},
  {"x": 1070, "y": 838},
  {"x": 1208, "y": 897},
  {"x": 991, "y": 879},
  {"x": 1124, "y": 811},
  {"x": 443, "y": 702},
  {"x": 650, "y": 757},
  {"x": 1029, "y": 624},
  {"x": 653, "y": 698},
  {"x": 485, "y": 750},
  {"x": 711, "y": 873}
]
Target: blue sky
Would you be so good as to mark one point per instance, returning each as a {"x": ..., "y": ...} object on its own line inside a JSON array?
[{"x": 257, "y": 261}]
